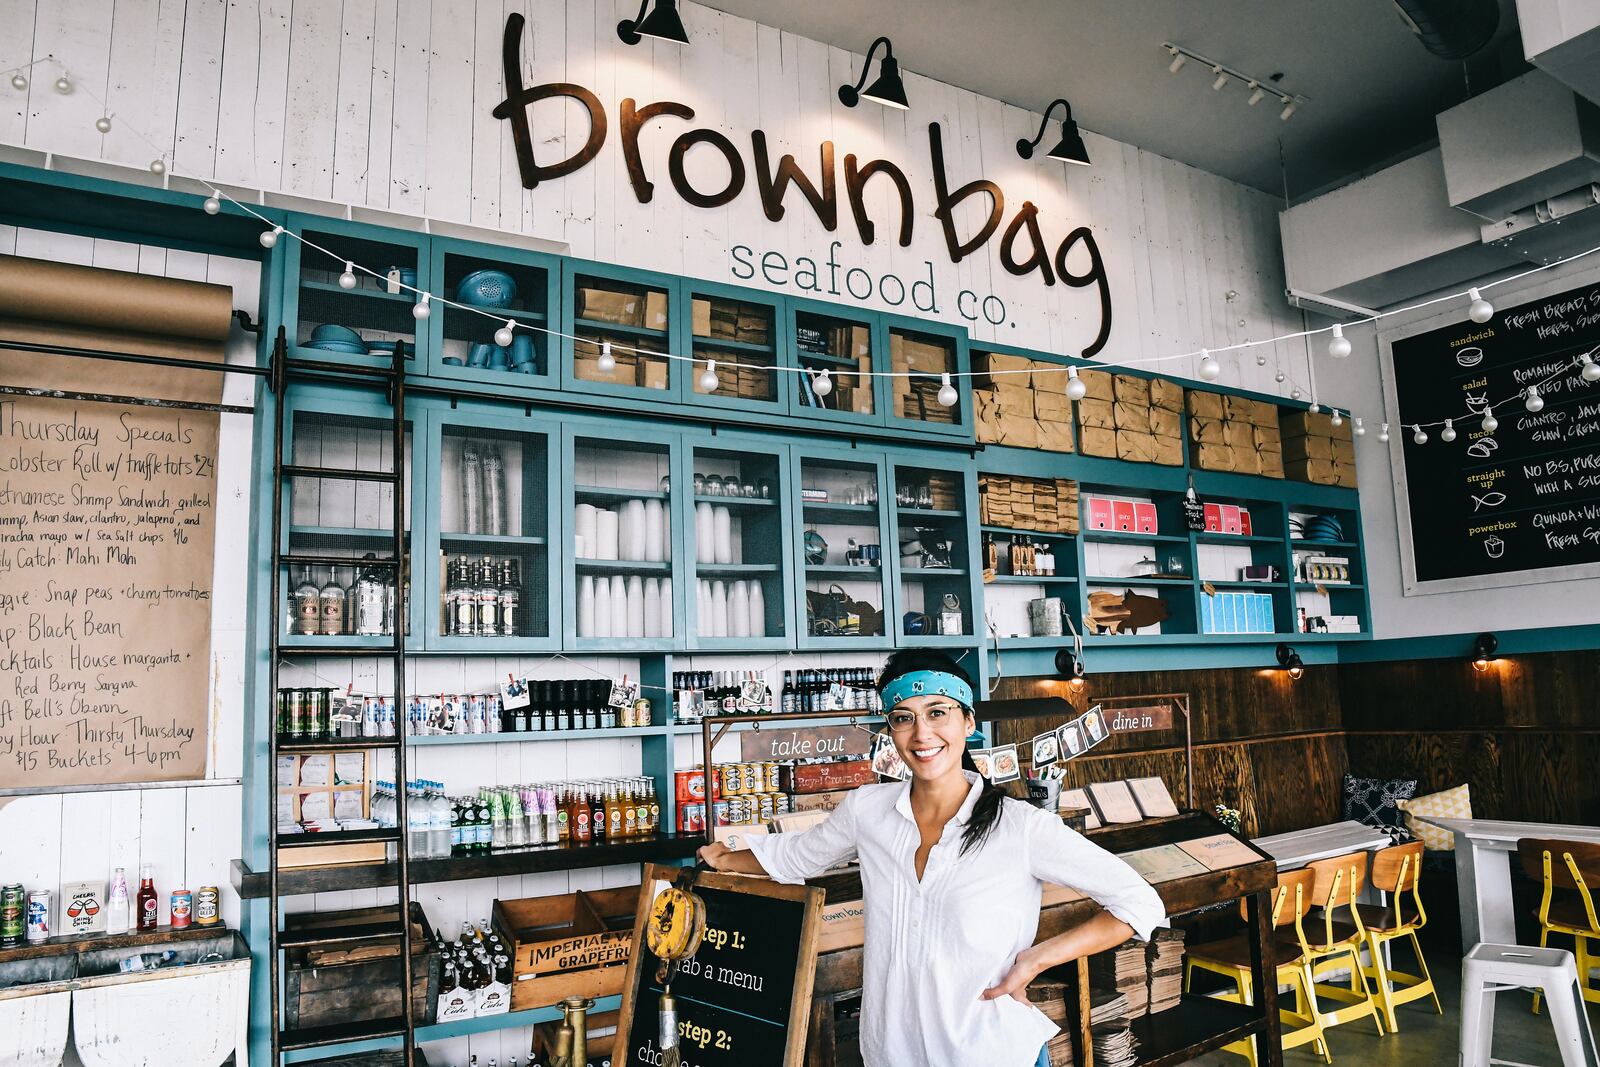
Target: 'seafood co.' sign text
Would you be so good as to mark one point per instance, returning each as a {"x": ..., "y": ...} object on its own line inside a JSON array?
[{"x": 1023, "y": 248}]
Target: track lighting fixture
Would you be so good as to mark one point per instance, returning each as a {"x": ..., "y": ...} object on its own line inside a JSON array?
[
  {"x": 1289, "y": 660},
  {"x": 1289, "y": 105},
  {"x": 1222, "y": 74},
  {"x": 663, "y": 23},
  {"x": 1221, "y": 81},
  {"x": 1178, "y": 58},
  {"x": 1070, "y": 149},
  {"x": 1484, "y": 647},
  {"x": 1256, "y": 93},
  {"x": 888, "y": 90}
]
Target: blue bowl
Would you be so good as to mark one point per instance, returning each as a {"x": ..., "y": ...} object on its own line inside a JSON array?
[
  {"x": 329, "y": 331},
  {"x": 344, "y": 347},
  {"x": 478, "y": 355},
  {"x": 487, "y": 289}
]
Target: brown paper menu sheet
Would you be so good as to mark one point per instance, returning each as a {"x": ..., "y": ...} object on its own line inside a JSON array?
[{"x": 107, "y": 528}]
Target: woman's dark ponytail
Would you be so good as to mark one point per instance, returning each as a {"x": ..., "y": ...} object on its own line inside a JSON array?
[{"x": 986, "y": 813}]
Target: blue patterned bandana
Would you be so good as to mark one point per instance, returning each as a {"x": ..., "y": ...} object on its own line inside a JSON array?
[{"x": 926, "y": 684}]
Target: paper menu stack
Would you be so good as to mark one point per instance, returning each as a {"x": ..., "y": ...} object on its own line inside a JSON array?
[
  {"x": 1165, "y": 957},
  {"x": 1123, "y": 969},
  {"x": 1152, "y": 797},
  {"x": 1049, "y": 995},
  {"x": 1113, "y": 802},
  {"x": 1111, "y": 1039},
  {"x": 1219, "y": 852},
  {"x": 1079, "y": 798}
]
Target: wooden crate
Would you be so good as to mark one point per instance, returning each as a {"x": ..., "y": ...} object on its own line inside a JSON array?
[
  {"x": 569, "y": 944},
  {"x": 357, "y": 980}
]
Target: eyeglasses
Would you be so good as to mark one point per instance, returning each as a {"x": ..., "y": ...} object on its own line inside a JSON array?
[{"x": 902, "y": 719}]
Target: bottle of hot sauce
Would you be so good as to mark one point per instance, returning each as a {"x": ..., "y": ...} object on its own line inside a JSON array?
[{"x": 146, "y": 907}]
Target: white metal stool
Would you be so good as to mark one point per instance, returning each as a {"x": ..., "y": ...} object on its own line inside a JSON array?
[{"x": 1489, "y": 969}]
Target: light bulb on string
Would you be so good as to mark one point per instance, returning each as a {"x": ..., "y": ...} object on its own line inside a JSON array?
[
  {"x": 421, "y": 309},
  {"x": 1278, "y": 377},
  {"x": 1448, "y": 434},
  {"x": 822, "y": 384},
  {"x": 1490, "y": 423},
  {"x": 1420, "y": 437},
  {"x": 1383, "y": 433},
  {"x": 1208, "y": 366},
  {"x": 1591, "y": 369},
  {"x": 213, "y": 204},
  {"x": 158, "y": 167},
  {"x": 607, "y": 362},
  {"x": 947, "y": 391},
  {"x": 1261, "y": 359},
  {"x": 504, "y": 334},
  {"x": 347, "y": 280},
  {"x": 1077, "y": 389},
  {"x": 1315, "y": 407},
  {"x": 19, "y": 81},
  {"x": 64, "y": 83},
  {"x": 1480, "y": 310},
  {"x": 1532, "y": 400},
  {"x": 708, "y": 377},
  {"x": 1360, "y": 430},
  {"x": 269, "y": 238},
  {"x": 1338, "y": 419},
  {"x": 103, "y": 123},
  {"x": 1294, "y": 394},
  {"x": 1338, "y": 345}
]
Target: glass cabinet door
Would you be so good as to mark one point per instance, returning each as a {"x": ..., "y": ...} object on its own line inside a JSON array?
[
  {"x": 499, "y": 286},
  {"x": 493, "y": 582},
  {"x": 740, "y": 542},
  {"x": 837, "y": 352},
  {"x": 620, "y": 535},
  {"x": 843, "y": 591},
  {"x": 933, "y": 549},
  {"x": 928, "y": 365},
  {"x": 358, "y": 596},
  {"x": 740, "y": 332},
  {"x": 622, "y": 322},
  {"x": 359, "y": 324}
]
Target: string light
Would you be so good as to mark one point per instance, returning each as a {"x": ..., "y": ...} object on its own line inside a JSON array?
[
  {"x": 1315, "y": 407},
  {"x": 347, "y": 280},
  {"x": 607, "y": 361},
  {"x": 1420, "y": 436},
  {"x": 269, "y": 238},
  {"x": 1261, "y": 359},
  {"x": 1077, "y": 389},
  {"x": 1208, "y": 366},
  {"x": 1361, "y": 431},
  {"x": 1294, "y": 394},
  {"x": 158, "y": 167},
  {"x": 1490, "y": 423},
  {"x": 103, "y": 123},
  {"x": 1383, "y": 433},
  {"x": 1480, "y": 310},
  {"x": 1338, "y": 420},
  {"x": 1532, "y": 400},
  {"x": 420, "y": 310},
  {"x": 1448, "y": 434},
  {"x": 947, "y": 391},
  {"x": 19, "y": 82},
  {"x": 822, "y": 384},
  {"x": 1339, "y": 345},
  {"x": 708, "y": 378},
  {"x": 504, "y": 334},
  {"x": 1591, "y": 369},
  {"x": 63, "y": 83},
  {"x": 1278, "y": 377},
  {"x": 213, "y": 204}
]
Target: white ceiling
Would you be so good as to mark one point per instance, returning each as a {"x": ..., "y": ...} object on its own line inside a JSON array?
[{"x": 1373, "y": 88}]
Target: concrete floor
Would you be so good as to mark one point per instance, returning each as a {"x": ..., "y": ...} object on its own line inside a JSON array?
[{"x": 1429, "y": 1040}]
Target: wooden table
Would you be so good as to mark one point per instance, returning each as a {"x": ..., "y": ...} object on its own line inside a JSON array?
[
  {"x": 1300, "y": 847},
  {"x": 1484, "y": 848}
]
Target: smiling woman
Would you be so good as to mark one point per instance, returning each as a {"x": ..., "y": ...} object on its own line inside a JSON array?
[{"x": 951, "y": 874}]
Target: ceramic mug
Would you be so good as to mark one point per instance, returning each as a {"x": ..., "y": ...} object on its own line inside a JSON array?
[{"x": 522, "y": 350}]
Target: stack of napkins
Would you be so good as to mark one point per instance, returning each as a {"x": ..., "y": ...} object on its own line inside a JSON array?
[{"x": 1166, "y": 970}]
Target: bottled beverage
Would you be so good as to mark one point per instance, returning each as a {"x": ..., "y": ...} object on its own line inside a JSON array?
[
  {"x": 418, "y": 838},
  {"x": 438, "y": 821},
  {"x": 487, "y": 591},
  {"x": 305, "y": 606},
  {"x": 117, "y": 916},
  {"x": 450, "y": 596},
  {"x": 331, "y": 600},
  {"x": 510, "y": 597},
  {"x": 146, "y": 907},
  {"x": 369, "y": 607}
]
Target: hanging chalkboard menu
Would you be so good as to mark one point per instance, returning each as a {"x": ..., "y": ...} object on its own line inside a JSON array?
[
  {"x": 745, "y": 996},
  {"x": 1493, "y": 508}
]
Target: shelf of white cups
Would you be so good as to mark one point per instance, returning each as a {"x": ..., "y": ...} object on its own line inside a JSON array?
[
  {"x": 622, "y": 549},
  {"x": 730, "y": 599}
]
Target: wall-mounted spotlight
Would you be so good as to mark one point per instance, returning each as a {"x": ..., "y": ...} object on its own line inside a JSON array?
[
  {"x": 888, "y": 90},
  {"x": 1484, "y": 648},
  {"x": 1070, "y": 666},
  {"x": 1070, "y": 149},
  {"x": 1289, "y": 660},
  {"x": 664, "y": 23}
]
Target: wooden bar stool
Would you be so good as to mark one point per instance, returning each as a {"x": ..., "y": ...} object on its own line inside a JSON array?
[
  {"x": 1394, "y": 871},
  {"x": 1334, "y": 943},
  {"x": 1230, "y": 958},
  {"x": 1566, "y": 865}
]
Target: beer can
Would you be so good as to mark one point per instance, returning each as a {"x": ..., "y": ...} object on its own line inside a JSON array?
[
  {"x": 641, "y": 712},
  {"x": 39, "y": 915},
  {"x": 781, "y": 804},
  {"x": 732, "y": 780},
  {"x": 297, "y": 713},
  {"x": 312, "y": 713},
  {"x": 182, "y": 908},
  {"x": 207, "y": 906},
  {"x": 768, "y": 807},
  {"x": 13, "y": 906},
  {"x": 769, "y": 775},
  {"x": 625, "y": 717},
  {"x": 284, "y": 721}
]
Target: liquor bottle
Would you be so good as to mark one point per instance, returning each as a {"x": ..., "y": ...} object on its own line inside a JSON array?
[
  {"x": 305, "y": 606},
  {"x": 488, "y": 595},
  {"x": 510, "y": 598},
  {"x": 789, "y": 703},
  {"x": 331, "y": 598},
  {"x": 449, "y": 596},
  {"x": 991, "y": 555},
  {"x": 146, "y": 908},
  {"x": 117, "y": 915},
  {"x": 369, "y": 603}
]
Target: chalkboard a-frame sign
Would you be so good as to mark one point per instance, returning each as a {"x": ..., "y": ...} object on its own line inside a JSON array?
[
  {"x": 745, "y": 997},
  {"x": 1522, "y": 504}
]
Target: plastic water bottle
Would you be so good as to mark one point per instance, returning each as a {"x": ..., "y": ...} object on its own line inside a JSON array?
[
  {"x": 439, "y": 823},
  {"x": 417, "y": 817}
]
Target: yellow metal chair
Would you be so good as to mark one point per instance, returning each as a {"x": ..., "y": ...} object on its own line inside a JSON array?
[
  {"x": 1395, "y": 871},
  {"x": 1230, "y": 958},
  {"x": 1566, "y": 865},
  {"x": 1334, "y": 943}
]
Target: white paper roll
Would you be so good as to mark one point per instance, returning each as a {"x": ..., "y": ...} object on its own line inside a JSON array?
[
  {"x": 739, "y": 609},
  {"x": 723, "y": 535},
  {"x": 631, "y": 530},
  {"x": 635, "y": 606},
  {"x": 705, "y": 534},
  {"x": 652, "y": 607},
  {"x": 605, "y": 542},
  {"x": 655, "y": 531},
  {"x": 584, "y": 530},
  {"x": 719, "y": 609},
  {"x": 586, "y": 606},
  {"x": 758, "y": 610},
  {"x": 600, "y": 625}
]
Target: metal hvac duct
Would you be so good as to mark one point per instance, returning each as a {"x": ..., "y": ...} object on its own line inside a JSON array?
[{"x": 1451, "y": 29}]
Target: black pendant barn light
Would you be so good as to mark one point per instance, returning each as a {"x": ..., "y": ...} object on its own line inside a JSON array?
[
  {"x": 1289, "y": 660},
  {"x": 1485, "y": 648},
  {"x": 888, "y": 90},
  {"x": 664, "y": 22},
  {"x": 1070, "y": 149}
]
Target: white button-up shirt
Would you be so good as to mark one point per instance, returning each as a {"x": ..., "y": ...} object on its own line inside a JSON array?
[{"x": 933, "y": 946}]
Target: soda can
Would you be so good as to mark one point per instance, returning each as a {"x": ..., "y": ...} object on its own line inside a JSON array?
[
  {"x": 769, "y": 775},
  {"x": 480, "y": 714},
  {"x": 297, "y": 713},
  {"x": 39, "y": 915},
  {"x": 691, "y": 818},
  {"x": 719, "y": 812},
  {"x": 641, "y": 712},
  {"x": 207, "y": 906},
  {"x": 283, "y": 712},
  {"x": 732, "y": 779},
  {"x": 182, "y": 908},
  {"x": 371, "y": 717},
  {"x": 13, "y": 906},
  {"x": 386, "y": 716},
  {"x": 691, "y": 786},
  {"x": 768, "y": 807},
  {"x": 311, "y": 701}
]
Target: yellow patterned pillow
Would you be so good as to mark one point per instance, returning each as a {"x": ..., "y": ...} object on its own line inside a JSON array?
[{"x": 1453, "y": 803}]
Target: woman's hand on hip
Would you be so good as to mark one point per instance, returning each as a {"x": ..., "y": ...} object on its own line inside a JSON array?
[{"x": 1015, "y": 983}]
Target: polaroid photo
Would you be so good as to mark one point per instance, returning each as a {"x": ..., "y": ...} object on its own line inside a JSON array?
[
  {"x": 886, "y": 760},
  {"x": 514, "y": 693},
  {"x": 1094, "y": 725},
  {"x": 1071, "y": 741},
  {"x": 1007, "y": 767},
  {"x": 981, "y": 760},
  {"x": 1046, "y": 750}
]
